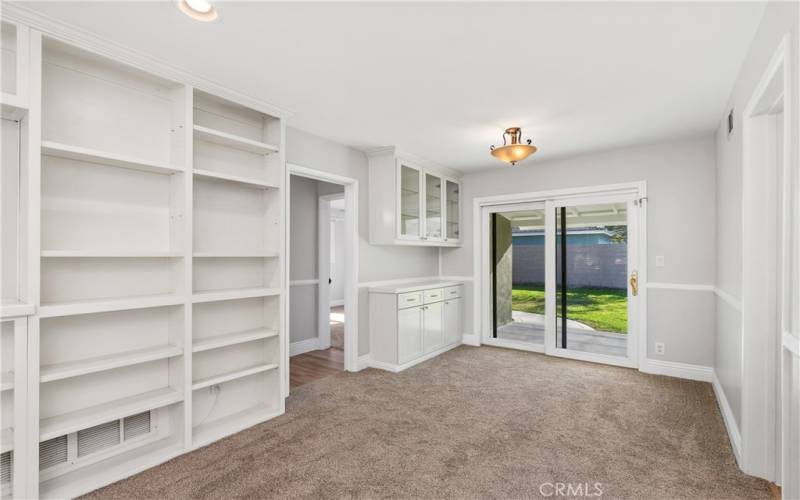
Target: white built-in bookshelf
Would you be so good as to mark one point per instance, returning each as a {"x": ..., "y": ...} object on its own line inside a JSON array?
[{"x": 156, "y": 272}]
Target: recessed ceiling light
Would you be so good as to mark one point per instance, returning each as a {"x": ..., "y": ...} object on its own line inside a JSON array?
[{"x": 202, "y": 10}]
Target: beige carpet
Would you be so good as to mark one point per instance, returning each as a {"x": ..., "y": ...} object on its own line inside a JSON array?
[{"x": 472, "y": 423}]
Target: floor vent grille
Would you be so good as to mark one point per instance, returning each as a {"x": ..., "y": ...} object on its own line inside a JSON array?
[
  {"x": 98, "y": 438},
  {"x": 52, "y": 452}
]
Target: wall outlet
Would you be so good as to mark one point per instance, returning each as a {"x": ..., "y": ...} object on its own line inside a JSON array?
[
  {"x": 660, "y": 348},
  {"x": 215, "y": 389},
  {"x": 659, "y": 261}
]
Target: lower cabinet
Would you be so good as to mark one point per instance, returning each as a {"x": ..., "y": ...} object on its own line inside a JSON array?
[{"x": 411, "y": 323}]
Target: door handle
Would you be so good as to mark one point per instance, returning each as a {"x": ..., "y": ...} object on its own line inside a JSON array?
[{"x": 635, "y": 283}]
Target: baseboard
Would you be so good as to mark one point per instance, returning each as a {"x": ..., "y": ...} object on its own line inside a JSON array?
[
  {"x": 398, "y": 368},
  {"x": 678, "y": 370},
  {"x": 727, "y": 417},
  {"x": 473, "y": 340},
  {"x": 363, "y": 362},
  {"x": 303, "y": 346}
]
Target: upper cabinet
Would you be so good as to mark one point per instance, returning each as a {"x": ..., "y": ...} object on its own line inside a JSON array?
[{"x": 413, "y": 202}]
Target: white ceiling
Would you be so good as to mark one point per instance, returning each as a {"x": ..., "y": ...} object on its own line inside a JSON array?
[{"x": 442, "y": 80}]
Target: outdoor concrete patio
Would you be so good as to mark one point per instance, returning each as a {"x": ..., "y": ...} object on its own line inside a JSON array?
[{"x": 530, "y": 328}]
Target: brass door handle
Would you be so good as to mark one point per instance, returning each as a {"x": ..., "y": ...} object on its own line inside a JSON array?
[{"x": 635, "y": 283}]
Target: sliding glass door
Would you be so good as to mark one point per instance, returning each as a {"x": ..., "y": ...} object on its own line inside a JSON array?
[
  {"x": 563, "y": 277},
  {"x": 595, "y": 282}
]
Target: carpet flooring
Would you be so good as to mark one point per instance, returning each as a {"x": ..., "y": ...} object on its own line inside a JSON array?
[{"x": 471, "y": 423}]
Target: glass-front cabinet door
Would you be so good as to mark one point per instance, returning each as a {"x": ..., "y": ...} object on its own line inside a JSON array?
[
  {"x": 433, "y": 207},
  {"x": 410, "y": 203},
  {"x": 452, "y": 211}
]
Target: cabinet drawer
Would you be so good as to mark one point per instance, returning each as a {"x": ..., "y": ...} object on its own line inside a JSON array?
[
  {"x": 434, "y": 295},
  {"x": 409, "y": 299},
  {"x": 452, "y": 292}
]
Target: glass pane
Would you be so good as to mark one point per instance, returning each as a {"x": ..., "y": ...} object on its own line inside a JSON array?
[
  {"x": 453, "y": 212},
  {"x": 433, "y": 206},
  {"x": 592, "y": 278},
  {"x": 518, "y": 252},
  {"x": 409, "y": 202}
]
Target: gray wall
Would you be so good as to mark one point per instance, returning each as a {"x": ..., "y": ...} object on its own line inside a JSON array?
[
  {"x": 315, "y": 152},
  {"x": 779, "y": 18},
  {"x": 303, "y": 249},
  {"x": 680, "y": 179},
  {"x": 603, "y": 266}
]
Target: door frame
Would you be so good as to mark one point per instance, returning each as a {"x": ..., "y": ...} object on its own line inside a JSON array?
[
  {"x": 482, "y": 300},
  {"x": 351, "y": 262},
  {"x": 323, "y": 267},
  {"x": 763, "y": 449}
]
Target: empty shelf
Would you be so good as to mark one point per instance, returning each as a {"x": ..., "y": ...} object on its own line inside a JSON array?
[
  {"x": 209, "y": 432},
  {"x": 108, "y": 254},
  {"x": 6, "y": 381},
  {"x": 238, "y": 293},
  {"x": 107, "y": 305},
  {"x": 233, "y": 141},
  {"x": 6, "y": 439},
  {"x": 227, "y": 377},
  {"x": 227, "y": 339},
  {"x": 50, "y": 148},
  {"x": 98, "y": 414},
  {"x": 58, "y": 371},
  {"x": 15, "y": 309},
  {"x": 234, "y": 255},
  {"x": 208, "y": 174}
]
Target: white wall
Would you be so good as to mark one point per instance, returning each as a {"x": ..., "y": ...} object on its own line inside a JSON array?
[
  {"x": 376, "y": 263},
  {"x": 681, "y": 210},
  {"x": 337, "y": 253},
  {"x": 779, "y": 18}
]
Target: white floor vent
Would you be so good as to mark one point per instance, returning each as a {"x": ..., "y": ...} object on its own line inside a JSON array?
[
  {"x": 52, "y": 452},
  {"x": 98, "y": 438},
  {"x": 6, "y": 468},
  {"x": 136, "y": 425}
]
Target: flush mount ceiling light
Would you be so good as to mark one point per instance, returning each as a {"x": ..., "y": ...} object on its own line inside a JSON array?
[
  {"x": 512, "y": 149},
  {"x": 201, "y": 10}
]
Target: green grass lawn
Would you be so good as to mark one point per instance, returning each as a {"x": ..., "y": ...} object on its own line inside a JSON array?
[{"x": 603, "y": 309}]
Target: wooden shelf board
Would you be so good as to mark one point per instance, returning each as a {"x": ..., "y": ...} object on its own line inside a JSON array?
[
  {"x": 101, "y": 254},
  {"x": 257, "y": 183},
  {"x": 50, "y": 148},
  {"x": 6, "y": 439},
  {"x": 6, "y": 381},
  {"x": 59, "y": 371},
  {"x": 115, "y": 468},
  {"x": 228, "y": 376},
  {"x": 212, "y": 431},
  {"x": 235, "y": 255},
  {"x": 233, "y": 141},
  {"x": 237, "y": 293},
  {"x": 98, "y": 414},
  {"x": 15, "y": 309},
  {"x": 205, "y": 344},
  {"x": 54, "y": 309}
]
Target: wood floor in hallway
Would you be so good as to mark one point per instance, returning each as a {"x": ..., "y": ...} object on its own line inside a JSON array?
[{"x": 314, "y": 365}]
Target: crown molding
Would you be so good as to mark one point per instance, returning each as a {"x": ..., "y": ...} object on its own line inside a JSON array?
[
  {"x": 68, "y": 33},
  {"x": 414, "y": 159}
]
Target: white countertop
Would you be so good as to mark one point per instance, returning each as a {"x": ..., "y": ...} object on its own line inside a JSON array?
[{"x": 414, "y": 287}]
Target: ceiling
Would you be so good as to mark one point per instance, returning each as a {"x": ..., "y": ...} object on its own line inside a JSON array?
[{"x": 442, "y": 80}]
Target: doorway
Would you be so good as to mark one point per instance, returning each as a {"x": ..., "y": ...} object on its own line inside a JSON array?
[
  {"x": 563, "y": 274},
  {"x": 323, "y": 250}
]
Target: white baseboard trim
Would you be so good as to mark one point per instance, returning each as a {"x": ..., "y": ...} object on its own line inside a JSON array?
[
  {"x": 303, "y": 346},
  {"x": 363, "y": 362},
  {"x": 473, "y": 340},
  {"x": 727, "y": 417},
  {"x": 398, "y": 368},
  {"x": 679, "y": 370}
]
